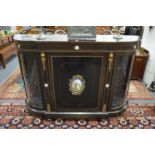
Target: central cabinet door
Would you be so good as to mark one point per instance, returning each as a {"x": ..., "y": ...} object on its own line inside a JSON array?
[{"x": 77, "y": 82}]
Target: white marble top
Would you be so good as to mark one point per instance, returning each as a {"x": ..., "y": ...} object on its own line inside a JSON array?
[{"x": 64, "y": 38}]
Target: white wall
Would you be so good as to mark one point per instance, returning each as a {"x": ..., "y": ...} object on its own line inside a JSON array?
[{"x": 148, "y": 42}]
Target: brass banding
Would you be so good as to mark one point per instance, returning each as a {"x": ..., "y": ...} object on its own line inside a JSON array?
[
  {"x": 43, "y": 59},
  {"x": 110, "y": 59}
]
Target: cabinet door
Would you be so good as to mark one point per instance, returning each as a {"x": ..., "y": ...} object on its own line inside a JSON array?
[
  {"x": 120, "y": 80},
  {"x": 31, "y": 73},
  {"x": 77, "y": 82}
]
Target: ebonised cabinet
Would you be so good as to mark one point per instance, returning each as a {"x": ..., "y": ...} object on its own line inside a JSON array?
[{"x": 76, "y": 79}]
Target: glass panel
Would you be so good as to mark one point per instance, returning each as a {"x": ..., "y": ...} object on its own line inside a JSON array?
[
  {"x": 32, "y": 81},
  {"x": 120, "y": 79}
]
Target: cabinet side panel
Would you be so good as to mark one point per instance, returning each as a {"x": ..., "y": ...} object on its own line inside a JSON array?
[
  {"x": 120, "y": 79},
  {"x": 30, "y": 67}
]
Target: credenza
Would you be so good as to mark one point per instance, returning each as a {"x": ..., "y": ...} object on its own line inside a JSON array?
[{"x": 76, "y": 79}]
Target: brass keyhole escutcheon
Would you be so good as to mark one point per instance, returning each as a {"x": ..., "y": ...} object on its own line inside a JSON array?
[{"x": 76, "y": 85}]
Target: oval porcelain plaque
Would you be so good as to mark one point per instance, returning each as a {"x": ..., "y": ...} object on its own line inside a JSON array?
[{"x": 76, "y": 85}]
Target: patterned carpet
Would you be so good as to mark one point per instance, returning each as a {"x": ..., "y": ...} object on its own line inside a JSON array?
[
  {"x": 137, "y": 91},
  {"x": 13, "y": 89},
  {"x": 136, "y": 116}
]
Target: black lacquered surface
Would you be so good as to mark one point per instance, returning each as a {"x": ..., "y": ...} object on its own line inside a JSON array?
[{"x": 64, "y": 69}]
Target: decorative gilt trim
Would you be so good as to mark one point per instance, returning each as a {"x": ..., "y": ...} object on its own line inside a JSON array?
[
  {"x": 104, "y": 108},
  {"x": 48, "y": 107},
  {"x": 43, "y": 59},
  {"x": 18, "y": 45},
  {"x": 110, "y": 59}
]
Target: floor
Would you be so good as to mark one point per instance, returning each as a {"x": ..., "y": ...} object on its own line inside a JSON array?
[
  {"x": 136, "y": 116},
  {"x": 11, "y": 65}
]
